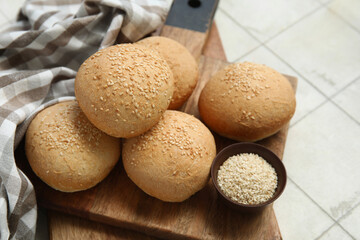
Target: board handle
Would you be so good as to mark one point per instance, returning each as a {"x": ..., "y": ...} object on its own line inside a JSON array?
[
  {"x": 195, "y": 15},
  {"x": 189, "y": 22}
]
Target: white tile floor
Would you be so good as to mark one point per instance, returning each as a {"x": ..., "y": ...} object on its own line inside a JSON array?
[{"x": 318, "y": 42}]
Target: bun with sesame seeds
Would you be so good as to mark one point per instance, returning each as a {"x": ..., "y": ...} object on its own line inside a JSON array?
[
  {"x": 172, "y": 160},
  {"x": 124, "y": 89},
  {"x": 247, "y": 102},
  {"x": 66, "y": 151},
  {"x": 182, "y": 64}
]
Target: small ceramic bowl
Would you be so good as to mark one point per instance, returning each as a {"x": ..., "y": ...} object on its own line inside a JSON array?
[{"x": 260, "y": 150}]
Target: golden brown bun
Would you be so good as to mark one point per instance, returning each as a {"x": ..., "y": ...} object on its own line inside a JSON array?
[
  {"x": 247, "y": 102},
  {"x": 124, "y": 89},
  {"x": 172, "y": 160},
  {"x": 182, "y": 64},
  {"x": 66, "y": 151}
]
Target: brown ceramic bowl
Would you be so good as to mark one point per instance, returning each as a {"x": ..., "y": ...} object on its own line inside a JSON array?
[{"x": 265, "y": 153}]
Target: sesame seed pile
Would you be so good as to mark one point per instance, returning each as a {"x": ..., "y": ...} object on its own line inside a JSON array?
[
  {"x": 68, "y": 130},
  {"x": 247, "y": 178},
  {"x": 134, "y": 74}
]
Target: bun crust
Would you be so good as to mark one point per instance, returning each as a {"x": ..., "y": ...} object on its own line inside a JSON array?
[
  {"x": 172, "y": 160},
  {"x": 247, "y": 102},
  {"x": 66, "y": 151},
  {"x": 124, "y": 89},
  {"x": 182, "y": 64}
]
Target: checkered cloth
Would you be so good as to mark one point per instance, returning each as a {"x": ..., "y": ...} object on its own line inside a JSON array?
[{"x": 39, "y": 57}]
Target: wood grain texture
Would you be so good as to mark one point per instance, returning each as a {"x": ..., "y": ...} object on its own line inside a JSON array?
[
  {"x": 65, "y": 226},
  {"x": 192, "y": 40},
  {"x": 213, "y": 47}
]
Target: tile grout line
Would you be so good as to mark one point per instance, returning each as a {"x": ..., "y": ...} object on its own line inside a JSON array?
[
  {"x": 321, "y": 208},
  {"x": 328, "y": 229},
  {"x": 348, "y": 212},
  {"x": 248, "y": 52},
  {"x": 297, "y": 72},
  {"x": 344, "y": 87},
  {"x": 329, "y": 99},
  {"x": 310, "y": 112},
  {"x": 303, "y": 77},
  {"x": 340, "y": 16},
  {"x": 259, "y": 43},
  {"x": 344, "y": 111},
  {"x": 244, "y": 29},
  {"x": 344, "y": 20},
  {"x": 278, "y": 33},
  {"x": 296, "y": 22},
  {"x": 322, "y": 93},
  {"x": 307, "y": 195}
]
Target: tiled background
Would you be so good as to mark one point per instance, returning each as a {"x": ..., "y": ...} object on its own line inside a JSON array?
[{"x": 318, "y": 41}]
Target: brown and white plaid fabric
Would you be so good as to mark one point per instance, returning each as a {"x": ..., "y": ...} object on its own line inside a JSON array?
[{"x": 39, "y": 57}]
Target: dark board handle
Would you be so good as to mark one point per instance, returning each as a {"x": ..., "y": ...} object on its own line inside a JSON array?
[{"x": 196, "y": 15}]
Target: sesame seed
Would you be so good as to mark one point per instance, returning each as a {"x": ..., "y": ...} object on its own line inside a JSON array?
[{"x": 247, "y": 178}]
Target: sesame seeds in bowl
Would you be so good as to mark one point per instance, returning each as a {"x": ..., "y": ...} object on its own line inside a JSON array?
[{"x": 248, "y": 176}]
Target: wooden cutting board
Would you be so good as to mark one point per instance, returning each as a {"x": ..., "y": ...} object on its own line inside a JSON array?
[{"x": 118, "y": 202}]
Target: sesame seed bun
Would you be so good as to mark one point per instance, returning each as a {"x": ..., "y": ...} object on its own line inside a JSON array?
[
  {"x": 247, "y": 102},
  {"x": 172, "y": 160},
  {"x": 124, "y": 89},
  {"x": 182, "y": 64},
  {"x": 66, "y": 151}
]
